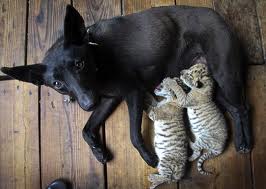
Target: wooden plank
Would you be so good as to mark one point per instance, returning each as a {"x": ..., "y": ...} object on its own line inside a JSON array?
[
  {"x": 158, "y": 3},
  {"x": 242, "y": 17},
  {"x": 196, "y": 3},
  {"x": 132, "y": 6},
  {"x": 261, "y": 7},
  {"x": 94, "y": 10},
  {"x": 19, "y": 136},
  {"x": 128, "y": 170},
  {"x": 63, "y": 150},
  {"x": 257, "y": 98},
  {"x": 12, "y": 33}
]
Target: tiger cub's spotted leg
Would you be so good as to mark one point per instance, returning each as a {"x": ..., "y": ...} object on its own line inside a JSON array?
[
  {"x": 156, "y": 180},
  {"x": 196, "y": 151},
  {"x": 194, "y": 156}
]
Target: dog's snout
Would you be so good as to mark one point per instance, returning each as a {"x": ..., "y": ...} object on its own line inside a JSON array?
[
  {"x": 87, "y": 102},
  {"x": 182, "y": 72}
]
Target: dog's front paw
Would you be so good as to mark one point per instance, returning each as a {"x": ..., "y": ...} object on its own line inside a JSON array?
[
  {"x": 243, "y": 145},
  {"x": 243, "y": 149},
  {"x": 101, "y": 155},
  {"x": 152, "y": 160}
]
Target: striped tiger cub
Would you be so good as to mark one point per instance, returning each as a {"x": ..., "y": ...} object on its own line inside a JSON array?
[
  {"x": 170, "y": 139},
  {"x": 207, "y": 122}
]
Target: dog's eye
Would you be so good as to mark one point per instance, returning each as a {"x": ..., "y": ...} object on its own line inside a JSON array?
[
  {"x": 79, "y": 64},
  {"x": 57, "y": 84}
]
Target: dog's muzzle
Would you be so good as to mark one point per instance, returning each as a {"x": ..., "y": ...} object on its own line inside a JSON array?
[{"x": 87, "y": 102}]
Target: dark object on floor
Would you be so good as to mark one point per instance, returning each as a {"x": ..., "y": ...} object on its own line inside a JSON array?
[
  {"x": 124, "y": 57},
  {"x": 59, "y": 184}
]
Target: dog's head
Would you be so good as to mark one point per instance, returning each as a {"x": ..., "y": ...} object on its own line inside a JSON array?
[{"x": 68, "y": 66}]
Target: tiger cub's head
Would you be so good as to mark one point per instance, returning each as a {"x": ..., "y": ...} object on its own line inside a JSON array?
[
  {"x": 195, "y": 76},
  {"x": 162, "y": 90}
]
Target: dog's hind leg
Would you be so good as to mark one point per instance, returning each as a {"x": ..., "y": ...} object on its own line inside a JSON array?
[
  {"x": 91, "y": 130},
  {"x": 228, "y": 67},
  {"x": 240, "y": 116},
  {"x": 135, "y": 102}
]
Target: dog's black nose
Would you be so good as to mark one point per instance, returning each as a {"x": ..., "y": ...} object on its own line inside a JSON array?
[
  {"x": 87, "y": 106},
  {"x": 5, "y": 69},
  {"x": 87, "y": 102}
]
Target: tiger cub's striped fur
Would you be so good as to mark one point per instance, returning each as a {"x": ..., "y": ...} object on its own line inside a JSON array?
[
  {"x": 207, "y": 122},
  {"x": 170, "y": 139}
]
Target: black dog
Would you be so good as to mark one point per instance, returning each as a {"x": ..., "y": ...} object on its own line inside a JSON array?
[{"x": 124, "y": 57}]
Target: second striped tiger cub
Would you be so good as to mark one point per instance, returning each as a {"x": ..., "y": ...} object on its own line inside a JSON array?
[
  {"x": 170, "y": 139},
  {"x": 206, "y": 121}
]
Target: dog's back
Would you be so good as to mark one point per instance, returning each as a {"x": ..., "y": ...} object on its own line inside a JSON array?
[{"x": 145, "y": 45}]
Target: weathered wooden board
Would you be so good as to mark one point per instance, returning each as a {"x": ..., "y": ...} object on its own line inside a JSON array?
[
  {"x": 196, "y": 3},
  {"x": 63, "y": 150},
  {"x": 19, "y": 136},
  {"x": 131, "y": 6},
  {"x": 242, "y": 17},
  {"x": 12, "y": 32},
  {"x": 95, "y": 10},
  {"x": 261, "y": 7},
  {"x": 128, "y": 170},
  {"x": 158, "y": 3},
  {"x": 257, "y": 99}
]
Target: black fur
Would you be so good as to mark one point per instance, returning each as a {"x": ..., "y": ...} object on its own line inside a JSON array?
[{"x": 134, "y": 53}]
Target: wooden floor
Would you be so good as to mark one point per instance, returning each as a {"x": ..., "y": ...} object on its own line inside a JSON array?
[{"x": 40, "y": 135}]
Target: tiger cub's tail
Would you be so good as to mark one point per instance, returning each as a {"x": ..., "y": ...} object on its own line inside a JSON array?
[{"x": 204, "y": 157}]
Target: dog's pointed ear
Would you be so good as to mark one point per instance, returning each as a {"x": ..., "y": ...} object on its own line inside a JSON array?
[
  {"x": 74, "y": 27},
  {"x": 32, "y": 73}
]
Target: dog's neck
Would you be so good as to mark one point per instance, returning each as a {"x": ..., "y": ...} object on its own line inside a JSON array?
[{"x": 89, "y": 38}]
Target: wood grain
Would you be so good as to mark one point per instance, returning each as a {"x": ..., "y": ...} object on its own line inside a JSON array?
[
  {"x": 257, "y": 99},
  {"x": 261, "y": 7},
  {"x": 12, "y": 32},
  {"x": 158, "y": 3},
  {"x": 196, "y": 3},
  {"x": 19, "y": 146},
  {"x": 95, "y": 10},
  {"x": 132, "y": 6},
  {"x": 63, "y": 150},
  {"x": 242, "y": 17}
]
